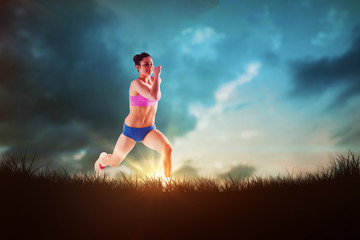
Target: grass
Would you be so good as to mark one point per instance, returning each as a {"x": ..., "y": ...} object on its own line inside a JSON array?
[
  {"x": 343, "y": 168},
  {"x": 324, "y": 203}
]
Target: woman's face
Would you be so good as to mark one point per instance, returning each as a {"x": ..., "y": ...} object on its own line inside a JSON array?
[{"x": 146, "y": 66}]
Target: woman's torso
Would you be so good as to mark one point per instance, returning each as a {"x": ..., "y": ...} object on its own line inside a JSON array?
[{"x": 140, "y": 117}]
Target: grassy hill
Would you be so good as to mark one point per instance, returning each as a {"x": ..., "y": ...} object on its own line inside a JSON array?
[{"x": 37, "y": 203}]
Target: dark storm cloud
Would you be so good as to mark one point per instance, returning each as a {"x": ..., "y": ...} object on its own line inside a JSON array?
[
  {"x": 238, "y": 172},
  {"x": 58, "y": 81},
  {"x": 314, "y": 77}
]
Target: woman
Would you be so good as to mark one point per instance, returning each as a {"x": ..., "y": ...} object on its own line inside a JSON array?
[{"x": 139, "y": 125}]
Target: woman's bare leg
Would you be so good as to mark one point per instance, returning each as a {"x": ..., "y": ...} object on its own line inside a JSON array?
[
  {"x": 157, "y": 141},
  {"x": 122, "y": 148}
]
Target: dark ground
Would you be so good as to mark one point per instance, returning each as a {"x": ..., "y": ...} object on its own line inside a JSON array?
[{"x": 34, "y": 209}]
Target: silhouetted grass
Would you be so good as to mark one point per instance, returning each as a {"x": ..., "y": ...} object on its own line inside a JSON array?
[
  {"x": 323, "y": 203},
  {"x": 343, "y": 168}
]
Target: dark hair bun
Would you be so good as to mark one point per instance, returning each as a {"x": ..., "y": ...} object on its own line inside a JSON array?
[{"x": 139, "y": 57}]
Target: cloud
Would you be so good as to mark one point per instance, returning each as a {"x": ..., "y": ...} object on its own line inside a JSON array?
[
  {"x": 225, "y": 91},
  {"x": 199, "y": 42},
  {"x": 306, "y": 3},
  {"x": 350, "y": 139},
  {"x": 215, "y": 134},
  {"x": 348, "y": 135},
  {"x": 335, "y": 26},
  {"x": 225, "y": 96},
  {"x": 187, "y": 171},
  {"x": 58, "y": 82},
  {"x": 314, "y": 77},
  {"x": 159, "y": 21},
  {"x": 238, "y": 172}
]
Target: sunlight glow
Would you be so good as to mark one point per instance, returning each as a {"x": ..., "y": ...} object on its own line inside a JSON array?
[{"x": 149, "y": 168}]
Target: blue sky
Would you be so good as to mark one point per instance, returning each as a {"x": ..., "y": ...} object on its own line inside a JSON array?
[{"x": 249, "y": 87}]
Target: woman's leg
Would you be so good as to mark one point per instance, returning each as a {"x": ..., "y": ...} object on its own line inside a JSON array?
[
  {"x": 157, "y": 141},
  {"x": 122, "y": 147}
]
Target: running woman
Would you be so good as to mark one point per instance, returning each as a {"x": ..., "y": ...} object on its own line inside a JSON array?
[{"x": 139, "y": 125}]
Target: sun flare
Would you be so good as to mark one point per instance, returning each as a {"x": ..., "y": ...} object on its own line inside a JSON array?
[{"x": 149, "y": 168}]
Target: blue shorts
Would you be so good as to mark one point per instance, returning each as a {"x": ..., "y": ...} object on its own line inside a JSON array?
[{"x": 137, "y": 134}]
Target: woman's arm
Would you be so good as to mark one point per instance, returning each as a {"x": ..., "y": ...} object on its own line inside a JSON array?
[{"x": 152, "y": 93}]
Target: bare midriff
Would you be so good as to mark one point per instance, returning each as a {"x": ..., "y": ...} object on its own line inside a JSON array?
[{"x": 140, "y": 117}]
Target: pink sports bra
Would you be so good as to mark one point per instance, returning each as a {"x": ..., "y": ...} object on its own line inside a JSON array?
[{"x": 141, "y": 101}]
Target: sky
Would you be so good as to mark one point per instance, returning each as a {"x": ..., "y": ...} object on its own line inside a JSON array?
[{"x": 248, "y": 87}]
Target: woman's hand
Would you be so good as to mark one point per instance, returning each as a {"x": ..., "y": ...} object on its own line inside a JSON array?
[{"x": 157, "y": 71}]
